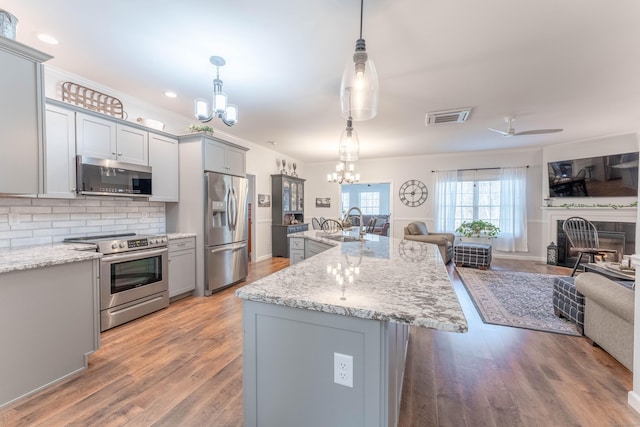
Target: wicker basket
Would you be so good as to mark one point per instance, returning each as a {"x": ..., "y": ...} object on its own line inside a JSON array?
[{"x": 90, "y": 99}]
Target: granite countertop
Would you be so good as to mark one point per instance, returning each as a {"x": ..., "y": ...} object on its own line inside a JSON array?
[
  {"x": 45, "y": 256},
  {"x": 29, "y": 257},
  {"x": 174, "y": 236},
  {"x": 381, "y": 278}
]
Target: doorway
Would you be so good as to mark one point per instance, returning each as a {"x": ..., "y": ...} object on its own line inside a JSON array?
[
  {"x": 374, "y": 199},
  {"x": 251, "y": 220}
]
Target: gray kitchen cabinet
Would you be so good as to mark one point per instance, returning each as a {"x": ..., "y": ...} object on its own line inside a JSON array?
[
  {"x": 223, "y": 157},
  {"x": 182, "y": 266},
  {"x": 105, "y": 139},
  {"x": 302, "y": 248},
  {"x": 21, "y": 118},
  {"x": 313, "y": 247},
  {"x": 164, "y": 162},
  {"x": 59, "y": 153},
  {"x": 49, "y": 324},
  {"x": 296, "y": 249},
  {"x": 287, "y": 211}
]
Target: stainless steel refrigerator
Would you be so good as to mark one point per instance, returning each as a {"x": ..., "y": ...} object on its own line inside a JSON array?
[{"x": 226, "y": 253}]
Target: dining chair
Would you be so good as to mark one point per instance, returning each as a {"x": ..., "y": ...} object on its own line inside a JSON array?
[
  {"x": 331, "y": 226},
  {"x": 583, "y": 237},
  {"x": 315, "y": 223}
]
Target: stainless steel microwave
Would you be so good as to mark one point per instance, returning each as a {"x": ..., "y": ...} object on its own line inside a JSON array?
[{"x": 112, "y": 178}]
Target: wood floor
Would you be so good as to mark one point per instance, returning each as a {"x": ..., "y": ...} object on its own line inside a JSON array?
[{"x": 182, "y": 366}]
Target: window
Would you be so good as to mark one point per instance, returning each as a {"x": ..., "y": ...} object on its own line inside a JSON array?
[
  {"x": 370, "y": 203},
  {"x": 345, "y": 200},
  {"x": 477, "y": 194},
  {"x": 478, "y": 200},
  {"x": 372, "y": 199}
]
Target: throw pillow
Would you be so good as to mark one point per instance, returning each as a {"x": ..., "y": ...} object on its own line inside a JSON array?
[{"x": 418, "y": 228}]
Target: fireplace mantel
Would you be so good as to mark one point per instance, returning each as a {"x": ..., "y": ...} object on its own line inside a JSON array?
[{"x": 554, "y": 214}]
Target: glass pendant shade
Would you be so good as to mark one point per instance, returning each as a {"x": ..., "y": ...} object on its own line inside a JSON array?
[
  {"x": 219, "y": 103},
  {"x": 230, "y": 116},
  {"x": 349, "y": 148},
  {"x": 359, "y": 87},
  {"x": 201, "y": 108}
]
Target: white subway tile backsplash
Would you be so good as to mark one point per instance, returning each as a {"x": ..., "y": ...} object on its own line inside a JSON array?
[
  {"x": 69, "y": 209},
  {"x": 30, "y": 209},
  {"x": 68, "y": 224},
  {"x": 87, "y": 202},
  {"x": 44, "y": 221},
  {"x": 100, "y": 222},
  {"x": 100, "y": 209},
  {"x": 31, "y": 241},
  {"x": 31, "y": 225},
  {"x": 64, "y": 232},
  {"x": 50, "y": 202},
  {"x": 15, "y": 201},
  {"x": 85, "y": 216},
  {"x": 50, "y": 217},
  {"x": 15, "y": 234}
]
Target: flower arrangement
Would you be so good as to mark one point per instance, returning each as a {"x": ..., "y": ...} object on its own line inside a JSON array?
[{"x": 478, "y": 228}]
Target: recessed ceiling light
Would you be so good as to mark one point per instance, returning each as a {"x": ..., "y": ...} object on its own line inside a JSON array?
[
  {"x": 170, "y": 94},
  {"x": 47, "y": 38}
]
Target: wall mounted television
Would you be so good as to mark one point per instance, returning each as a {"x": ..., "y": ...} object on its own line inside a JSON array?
[{"x": 614, "y": 175}]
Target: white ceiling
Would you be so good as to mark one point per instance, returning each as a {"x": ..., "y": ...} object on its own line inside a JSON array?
[{"x": 571, "y": 64}]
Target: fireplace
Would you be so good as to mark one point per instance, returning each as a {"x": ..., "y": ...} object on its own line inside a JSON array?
[{"x": 620, "y": 236}]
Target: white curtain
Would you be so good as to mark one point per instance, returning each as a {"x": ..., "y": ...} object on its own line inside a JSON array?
[
  {"x": 446, "y": 189},
  {"x": 513, "y": 210}
]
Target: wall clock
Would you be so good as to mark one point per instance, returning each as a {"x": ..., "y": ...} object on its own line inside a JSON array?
[{"x": 413, "y": 193}]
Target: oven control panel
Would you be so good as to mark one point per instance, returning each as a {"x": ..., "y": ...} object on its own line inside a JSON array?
[{"x": 111, "y": 246}]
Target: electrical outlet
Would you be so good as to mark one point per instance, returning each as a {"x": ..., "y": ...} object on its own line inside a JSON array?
[
  {"x": 14, "y": 219},
  {"x": 343, "y": 369}
]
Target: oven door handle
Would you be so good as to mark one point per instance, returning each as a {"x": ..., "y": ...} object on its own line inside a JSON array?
[
  {"x": 233, "y": 248},
  {"x": 126, "y": 256}
]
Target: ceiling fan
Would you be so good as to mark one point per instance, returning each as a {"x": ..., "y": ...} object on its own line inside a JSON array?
[{"x": 512, "y": 132}]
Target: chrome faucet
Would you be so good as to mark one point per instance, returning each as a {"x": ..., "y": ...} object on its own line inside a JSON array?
[{"x": 362, "y": 227}]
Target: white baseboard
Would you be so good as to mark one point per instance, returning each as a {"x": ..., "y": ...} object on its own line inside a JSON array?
[{"x": 633, "y": 399}]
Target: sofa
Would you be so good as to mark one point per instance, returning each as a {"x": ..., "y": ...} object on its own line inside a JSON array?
[
  {"x": 608, "y": 315},
  {"x": 418, "y": 232},
  {"x": 376, "y": 224}
]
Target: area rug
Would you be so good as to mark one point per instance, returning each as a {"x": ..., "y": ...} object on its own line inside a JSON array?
[{"x": 509, "y": 298}]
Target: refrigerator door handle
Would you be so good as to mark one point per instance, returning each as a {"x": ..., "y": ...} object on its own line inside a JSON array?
[
  {"x": 235, "y": 247},
  {"x": 230, "y": 223},
  {"x": 235, "y": 207}
]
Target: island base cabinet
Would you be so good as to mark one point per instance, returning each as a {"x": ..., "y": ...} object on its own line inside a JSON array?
[
  {"x": 49, "y": 324},
  {"x": 288, "y": 368}
]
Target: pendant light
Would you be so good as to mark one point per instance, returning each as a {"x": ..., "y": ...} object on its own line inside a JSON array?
[
  {"x": 349, "y": 147},
  {"x": 359, "y": 82},
  {"x": 227, "y": 112}
]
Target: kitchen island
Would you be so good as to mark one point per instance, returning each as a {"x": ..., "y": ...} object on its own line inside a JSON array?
[
  {"x": 357, "y": 300},
  {"x": 49, "y": 316}
]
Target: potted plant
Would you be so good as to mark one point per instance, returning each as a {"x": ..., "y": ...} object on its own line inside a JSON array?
[{"x": 478, "y": 231}]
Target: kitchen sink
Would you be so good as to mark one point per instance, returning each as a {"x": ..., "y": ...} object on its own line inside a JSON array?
[{"x": 341, "y": 237}]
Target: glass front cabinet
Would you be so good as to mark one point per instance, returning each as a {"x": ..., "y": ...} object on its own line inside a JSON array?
[{"x": 287, "y": 211}]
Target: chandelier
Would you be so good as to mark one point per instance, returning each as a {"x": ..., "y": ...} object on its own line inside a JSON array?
[
  {"x": 359, "y": 81},
  {"x": 344, "y": 174},
  {"x": 227, "y": 112}
]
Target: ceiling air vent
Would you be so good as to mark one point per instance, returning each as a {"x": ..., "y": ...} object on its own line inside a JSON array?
[{"x": 451, "y": 116}]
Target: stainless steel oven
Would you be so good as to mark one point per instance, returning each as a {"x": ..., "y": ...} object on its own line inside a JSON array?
[{"x": 133, "y": 276}]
